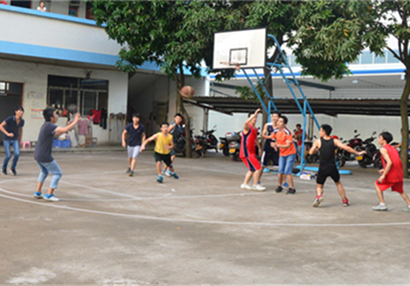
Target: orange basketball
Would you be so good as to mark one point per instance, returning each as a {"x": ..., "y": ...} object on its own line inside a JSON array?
[{"x": 187, "y": 91}]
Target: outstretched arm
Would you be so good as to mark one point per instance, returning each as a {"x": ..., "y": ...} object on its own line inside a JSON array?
[
  {"x": 153, "y": 137},
  {"x": 62, "y": 130},
  {"x": 348, "y": 148}
]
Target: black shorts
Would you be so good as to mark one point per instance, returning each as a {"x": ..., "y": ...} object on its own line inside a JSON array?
[
  {"x": 166, "y": 158},
  {"x": 327, "y": 171},
  {"x": 269, "y": 154}
]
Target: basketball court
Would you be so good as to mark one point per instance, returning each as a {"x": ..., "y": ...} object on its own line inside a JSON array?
[{"x": 109, "y": 228}]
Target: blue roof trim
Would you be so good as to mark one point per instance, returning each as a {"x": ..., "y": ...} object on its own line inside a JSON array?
[
  {"x": 49, "y": 15},
  {"x": 35, "y": 51},
  {"x": 357, "y": 72},
  {"x": 56, "y": 53}
]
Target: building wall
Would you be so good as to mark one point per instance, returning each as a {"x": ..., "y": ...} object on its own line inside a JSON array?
[
  {"x": 34, "y": 77},
  {"x": 52, "y": 33}
]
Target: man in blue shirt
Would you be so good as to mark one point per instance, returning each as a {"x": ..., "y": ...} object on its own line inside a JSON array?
[{"x": 12, "y": 128}]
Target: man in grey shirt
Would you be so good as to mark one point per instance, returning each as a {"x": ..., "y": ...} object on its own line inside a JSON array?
[{"x": 42, "y": 154}]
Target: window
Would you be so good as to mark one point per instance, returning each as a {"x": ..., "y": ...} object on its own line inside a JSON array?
[
  {"x": 367, "y": 58},
  {"x": 73, "y": 8},
  {"x": 21, "y": 3},
  {"x": 356, "y": 61},
  {"x": 87, "y": 94},
  {"x": 391, "y": 59},
  {"x": 380, "y": 60},
  {"x": 10, "y": 88},
  {"x": 88, "y": 11}
]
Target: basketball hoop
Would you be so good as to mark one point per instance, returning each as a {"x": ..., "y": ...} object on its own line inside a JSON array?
[{"x": 230, "y": 64}]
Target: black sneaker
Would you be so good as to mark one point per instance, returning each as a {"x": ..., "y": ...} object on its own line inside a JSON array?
[
  {"x": 13, "y": 172},
  {"x": 3, "y": 172},
  {"x": 131, "y": 174},
  {"x": 128, "y": 170},
  {"x": 279, "y": 189},
  {"x": 291, "y": 191}
]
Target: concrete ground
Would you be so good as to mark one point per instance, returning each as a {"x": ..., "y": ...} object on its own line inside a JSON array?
[{"x": 113, "y": 229}]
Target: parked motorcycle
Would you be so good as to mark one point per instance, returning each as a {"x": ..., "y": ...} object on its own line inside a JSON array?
[
  {"x": 234, "y": 143},
  {"x": 211, "y": 140},
  {"x": 371, "y": 152},
  {"x": 200, "y": 146},
  {"x": 224, "y": 146},
  {"x": 181, "y": 142},
  {"x": 311, "y": 158},
  {"x": 342, "y": 155}
]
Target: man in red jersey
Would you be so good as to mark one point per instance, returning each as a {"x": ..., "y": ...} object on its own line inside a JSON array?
[
  {"x": 391, "y": 174},
  {"x": 247, "y": 153}
]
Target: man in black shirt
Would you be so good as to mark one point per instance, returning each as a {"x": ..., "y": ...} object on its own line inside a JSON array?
[
  {"x": 12, "y": 128},
  {"x": 136, "y": 136},
  {"x": 327, "y": 163}
]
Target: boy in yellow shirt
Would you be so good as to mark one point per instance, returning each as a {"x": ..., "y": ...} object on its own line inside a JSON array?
[{"x": 162, "y": 151}]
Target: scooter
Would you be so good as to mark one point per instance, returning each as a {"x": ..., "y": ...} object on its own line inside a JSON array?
[
  {"x": 200, "y": 146},
  {"x": 234, "y": 143},
  {"x": 311, "y": 158},
  {"x": 211, "y": 140},
  {"x": 224, "y": 146},
  {"x": 371, "y": 152},
  {"x": 342, "y": 155},
  {"x": 181, "y": 142}
]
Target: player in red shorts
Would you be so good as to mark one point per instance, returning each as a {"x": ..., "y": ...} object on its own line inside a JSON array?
[
  {"x": 247, "y": 153},
  {"x": 391, "y": 174}
]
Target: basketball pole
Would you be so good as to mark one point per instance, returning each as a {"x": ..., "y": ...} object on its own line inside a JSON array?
[{"x": 303, "y": 110}]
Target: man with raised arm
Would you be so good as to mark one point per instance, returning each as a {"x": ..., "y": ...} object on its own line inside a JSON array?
[
  {"x": 42, "y": 154},
  {"x": 248, "y": 155}
]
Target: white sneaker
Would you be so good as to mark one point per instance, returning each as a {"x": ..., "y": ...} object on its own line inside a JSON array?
[
  {"x": 380, "y": 207},
  {"x": 168, "y": 173},
  {"x": 406, "y": 209},
  {"x": 258, "y": 188},
  {"x": 246, "y": 187},
  {"x": 50, "y": 198}
]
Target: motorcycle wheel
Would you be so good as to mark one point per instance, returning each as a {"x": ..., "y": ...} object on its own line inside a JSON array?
[
  {"x": 378, "y": 163},
  {"x": 225, "y": 151},
  {"x": 308, "y": 159},
  {"x": 341, "y": 162},
  {"x": 235, "y": 157},
  {"x": 362, "y": 164}
]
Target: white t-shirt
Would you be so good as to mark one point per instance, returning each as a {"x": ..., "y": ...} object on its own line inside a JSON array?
[{"x": 39, "y": 9}]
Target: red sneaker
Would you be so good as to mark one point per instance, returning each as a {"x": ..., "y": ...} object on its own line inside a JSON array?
[{"x": 346, "y": 202}]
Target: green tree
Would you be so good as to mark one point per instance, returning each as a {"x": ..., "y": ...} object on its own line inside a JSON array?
[
  {"x": 333, "y": 33},
  {"x": 177, "y": 36}
]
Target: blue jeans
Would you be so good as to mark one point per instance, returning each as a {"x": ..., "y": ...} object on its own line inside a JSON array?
[
  {"x": 7, "y": 144},
  {"x": 286, "y": 164},
  {"x": 52, "y": 168}
]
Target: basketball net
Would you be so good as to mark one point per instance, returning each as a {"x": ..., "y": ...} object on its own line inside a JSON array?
[{"x": 230, "y": 64}]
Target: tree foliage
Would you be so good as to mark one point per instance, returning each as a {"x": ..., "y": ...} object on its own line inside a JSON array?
[{"x": 338, "y": 31}]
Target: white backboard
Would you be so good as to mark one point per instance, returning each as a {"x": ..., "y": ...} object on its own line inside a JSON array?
[{"x": 246, "y": 48}]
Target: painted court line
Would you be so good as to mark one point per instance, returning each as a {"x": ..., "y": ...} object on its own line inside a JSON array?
[{"x": 58, "y": 206}]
